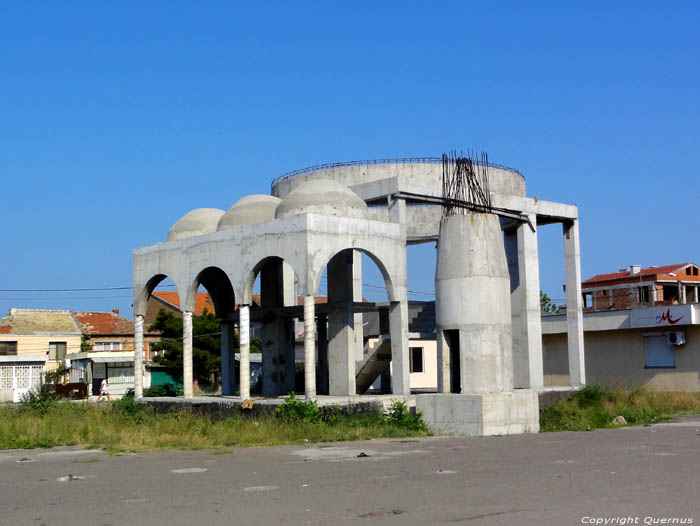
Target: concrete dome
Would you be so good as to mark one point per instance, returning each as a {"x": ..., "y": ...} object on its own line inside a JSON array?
[
  {"x": 249, "y": 210},
  {"x": 323, "y": 197},
  {"x": 195, "y": 223}
]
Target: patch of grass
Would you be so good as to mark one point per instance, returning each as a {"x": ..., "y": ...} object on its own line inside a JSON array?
[
  {"x": 595, "y": 407},
  {"x": 125, "y": 426},
  {"x": 221, "y": 452},
  {"x": 85, "y": 460}
]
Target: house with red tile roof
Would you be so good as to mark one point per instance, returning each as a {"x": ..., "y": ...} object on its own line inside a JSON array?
[{"x": 634, "y": 287}]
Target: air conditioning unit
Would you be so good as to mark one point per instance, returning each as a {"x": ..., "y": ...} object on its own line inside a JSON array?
[{"x": 675, "y": 338}]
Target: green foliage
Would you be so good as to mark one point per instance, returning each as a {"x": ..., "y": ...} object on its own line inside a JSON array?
[
  {"x": 595, "y": 407},
  {"x": 39, "y": 400},
  {"x": 206, "y": 343},
  {"x": 296, "y": 411},
  {"x": 592, "y": 395},
  {"x": 162, "y": 390},
  {"x": 55, "y": 376},
  {"x": 127, "y": 407},
  {"x": 399, "y": 415},
  {"x": 546, "y": 303},
  {"x": 85, "y": 345}
]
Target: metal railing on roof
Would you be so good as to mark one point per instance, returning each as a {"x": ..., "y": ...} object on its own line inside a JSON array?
[{"x": 374, "y": 162}]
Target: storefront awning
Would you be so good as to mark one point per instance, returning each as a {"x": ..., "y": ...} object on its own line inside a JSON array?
[{"x": 112, "y": 359}]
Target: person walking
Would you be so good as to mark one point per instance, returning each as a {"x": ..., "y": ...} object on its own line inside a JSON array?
[{"x": 104, "y": 390}]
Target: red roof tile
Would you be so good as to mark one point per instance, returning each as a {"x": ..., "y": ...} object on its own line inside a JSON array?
[
  {"x": 651, "y": 271},
  {"x": 103, "y": 323},
  {"x": 202, "y": 301}
]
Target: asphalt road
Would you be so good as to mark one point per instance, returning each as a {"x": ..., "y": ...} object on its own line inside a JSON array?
[{"x": 645, "y": 473}]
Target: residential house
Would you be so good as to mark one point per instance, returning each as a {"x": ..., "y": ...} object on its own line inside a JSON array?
[
  {"x": 33, "y": 341},
  {"x": 110, "y": 339},
  {"x": 641, "y": 327},
  {"x": 634, "y": 287}
]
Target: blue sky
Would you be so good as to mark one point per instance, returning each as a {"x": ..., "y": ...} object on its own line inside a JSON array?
[{"x": 118, "y": 118}]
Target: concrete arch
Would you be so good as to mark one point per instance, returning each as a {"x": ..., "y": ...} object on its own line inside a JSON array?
[
  {"x": 143, "y": 293},
  {"x": 386, "y": 275},
  {"x": 220, "y": 288},
  {"x": 249, "y": 283}
]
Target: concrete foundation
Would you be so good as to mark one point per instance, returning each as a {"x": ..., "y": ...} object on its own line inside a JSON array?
[{"x": 482, "y": 414}]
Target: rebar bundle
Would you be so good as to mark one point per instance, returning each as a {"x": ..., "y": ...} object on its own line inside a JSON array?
[{"x": 465, "y": 183}]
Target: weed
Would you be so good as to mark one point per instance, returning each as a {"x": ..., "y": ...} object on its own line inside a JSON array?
[
  {"x": 296, "y": 411},
  {"x": 400, "y": 416}
]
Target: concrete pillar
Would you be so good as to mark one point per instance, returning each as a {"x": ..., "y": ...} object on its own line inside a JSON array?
[
  {"x": 472, "y": 287},
  {"x": 443, "y": 363},
  {"x": 398, "y": 323},
  {"x": 228, "y": 359},
  {"x": 695, "y": 294},
  {"x": 244, "y": 340},
  {"x": 357, "y": 296},
  {"x": 681, "y": 293},
  {"x": 322, "y": 346},
  {"x": 574, "y": 300},
  {"x": 187, "y": 372},
  {"x": 341, "y": 324},
  {"x": 309, "y": 348},
  {"x": 277, "y": 290},
  {"x": 138, "y": 356}
]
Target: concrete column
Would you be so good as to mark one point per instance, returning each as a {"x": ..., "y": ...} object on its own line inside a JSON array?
[
  {"x": 522, "y": 257},
  {"x": 443, "y": 359},
  {"x": 472, "y": 287},
  {"x": 322, "y": 346},
  {"x": 187, "y": 372},
  {"x": 309, "y": 348},
  {"x": 244, "y": 340},
  {"x": 681, "y": 293},
  {"x": 357, "y": 296},
  {"x": 341, "y": 324},
  {"x": 574, "y": 307},
  {"x": 398, "y": 323},
  {"x": 695, "y": 294},
  {"x": 138, "y": 356},
  {"x": 228, "y": 359}
]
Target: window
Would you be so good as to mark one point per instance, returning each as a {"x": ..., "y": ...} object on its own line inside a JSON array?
[
  {"x": 8, "y": 348},
  {"x": 604, "y": 292},
  {"x": 416, "y": 359},
  {"x": 108, "y": 346},
  {"x": 57, "y": 350},
  {"x": 687, "y": 271},
  {"x": 643, "y": 294},
  {"x": 695, "y": 271},
  {"x": 658, "y": 353}
]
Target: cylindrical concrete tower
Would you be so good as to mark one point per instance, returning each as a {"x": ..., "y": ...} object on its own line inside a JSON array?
[{"x": 472, "y": 289}]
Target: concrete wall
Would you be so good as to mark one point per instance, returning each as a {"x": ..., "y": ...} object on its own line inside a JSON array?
[
  {"x": 425, "y": 178},
  {"x": 618, "y": 357}
]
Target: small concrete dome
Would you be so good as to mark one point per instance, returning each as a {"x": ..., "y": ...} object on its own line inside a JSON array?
[
  {"x": 323, "y": 197},
  {"x": 249, "y": 210},
  {"x": 195, "y": 223}
]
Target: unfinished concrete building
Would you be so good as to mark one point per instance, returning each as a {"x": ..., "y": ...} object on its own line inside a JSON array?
[{"x": 325, "y": 217}]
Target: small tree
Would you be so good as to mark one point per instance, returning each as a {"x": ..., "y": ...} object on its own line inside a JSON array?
[{"x": 546, "y": 303}]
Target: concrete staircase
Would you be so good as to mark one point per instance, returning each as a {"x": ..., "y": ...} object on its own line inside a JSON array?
[{"x": 375, "y": 362}]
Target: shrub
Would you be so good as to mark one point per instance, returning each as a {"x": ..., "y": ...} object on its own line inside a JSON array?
[
  {"x": 162, "y": 390},
  {"x": 592, "y": 395},
  {"x": 296, "y": 411},
  {"x": 38, "y": 400},
  {"x": 399, "y": 415},
  {"x": 129, "y": 408}
]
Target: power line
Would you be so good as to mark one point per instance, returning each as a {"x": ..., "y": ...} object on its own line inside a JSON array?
[{"x": 75, "y": 290}]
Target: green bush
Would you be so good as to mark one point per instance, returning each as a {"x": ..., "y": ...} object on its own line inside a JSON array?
[
  {"x": 399, "y": 415},
  {"x": 296, "y": 411},
  {"x": 592, "y": 395},
  {"x": 39, "y": 400},
  {"x": 162, "y": 390}
]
